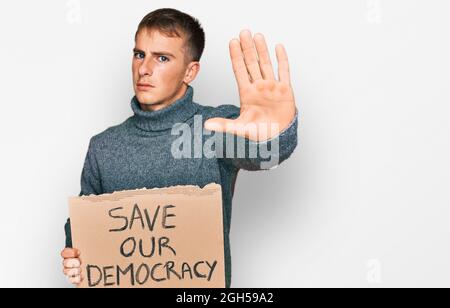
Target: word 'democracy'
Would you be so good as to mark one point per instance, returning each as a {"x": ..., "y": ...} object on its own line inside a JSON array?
[{"x": 169, "y": 237}]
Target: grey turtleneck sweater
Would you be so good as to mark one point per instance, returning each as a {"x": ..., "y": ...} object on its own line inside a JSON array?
[{"x": 137, "y": 154}]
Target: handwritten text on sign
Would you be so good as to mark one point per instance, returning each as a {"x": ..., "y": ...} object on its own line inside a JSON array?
[{"x": 169, "y": 237}]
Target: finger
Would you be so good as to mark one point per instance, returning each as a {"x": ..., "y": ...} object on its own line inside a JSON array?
[
  {"x": 70, "y": 253},
  {"x": 72, "y": 272},
  {"x": 264, "y": 57},
  {"x": 250, "y": 55},
  {"x": 239, "y": 67},
  {"x": 283, "y": 64},
  {"x": 75, "y": 280},
  {"x": 71, "y": 263}
]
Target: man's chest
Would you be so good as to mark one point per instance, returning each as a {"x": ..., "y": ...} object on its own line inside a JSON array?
[{"x": 143, "y": 164}]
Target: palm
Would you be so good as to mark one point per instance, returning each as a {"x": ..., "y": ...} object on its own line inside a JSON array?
[{"x": 267, "y": 104}]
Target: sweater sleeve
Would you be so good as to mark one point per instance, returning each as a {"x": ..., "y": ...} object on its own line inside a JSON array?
[
  {"x": 242, "y": 153},
  {"x": 90, "y": 184}
]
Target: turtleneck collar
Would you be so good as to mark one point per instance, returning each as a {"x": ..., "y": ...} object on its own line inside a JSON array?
[{"x": 164, "y": 119}]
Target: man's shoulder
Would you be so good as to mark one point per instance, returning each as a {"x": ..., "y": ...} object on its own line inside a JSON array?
[
  {"x": 112, "y": 135},
  {"x": 223, "y": 111}
]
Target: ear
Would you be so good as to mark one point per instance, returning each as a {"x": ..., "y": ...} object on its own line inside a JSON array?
[{"x": 191, "y": 72}]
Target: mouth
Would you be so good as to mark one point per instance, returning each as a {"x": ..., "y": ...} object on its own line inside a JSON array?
[{"x": 144, "y": 86}]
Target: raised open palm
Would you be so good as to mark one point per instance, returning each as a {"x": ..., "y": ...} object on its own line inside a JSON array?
[{"x": 267, "y": 105}]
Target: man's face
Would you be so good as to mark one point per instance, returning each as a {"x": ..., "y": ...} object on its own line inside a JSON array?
[{"x": 159, "y": 69}]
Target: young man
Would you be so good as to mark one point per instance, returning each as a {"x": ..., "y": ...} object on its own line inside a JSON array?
[{"x": 139, "y": 153}]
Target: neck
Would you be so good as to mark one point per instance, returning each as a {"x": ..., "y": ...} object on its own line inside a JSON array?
[
  {"x": 164, "y": 119},
  {"x": 161, "y": 105}
]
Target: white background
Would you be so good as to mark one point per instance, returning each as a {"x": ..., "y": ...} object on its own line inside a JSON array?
[{"x": 363, "y": 202}]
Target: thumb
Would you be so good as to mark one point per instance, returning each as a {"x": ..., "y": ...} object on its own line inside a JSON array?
[
  {"x": 68, "y": 253},
  {"x": 220, "y": 125}
]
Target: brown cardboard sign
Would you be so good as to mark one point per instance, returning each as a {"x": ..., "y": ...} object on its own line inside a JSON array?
[{"x": 164, "y": 237}]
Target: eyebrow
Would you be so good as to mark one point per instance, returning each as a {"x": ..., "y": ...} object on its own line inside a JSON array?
[{"x": 157, "y": 53}]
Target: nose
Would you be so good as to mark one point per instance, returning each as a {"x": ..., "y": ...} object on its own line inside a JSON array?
[{"x": 146, "y": 68}]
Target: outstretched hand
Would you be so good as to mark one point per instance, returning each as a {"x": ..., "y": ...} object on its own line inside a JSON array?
[{"x": 267, "y": 105}]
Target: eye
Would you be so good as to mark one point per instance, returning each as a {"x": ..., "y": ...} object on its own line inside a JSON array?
[
  {"x": 163, "y": 59},
  {"x": 139, "y": 55}
]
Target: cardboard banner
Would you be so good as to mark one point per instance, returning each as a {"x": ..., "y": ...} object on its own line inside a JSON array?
[{"x": 164, "y": 237}]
